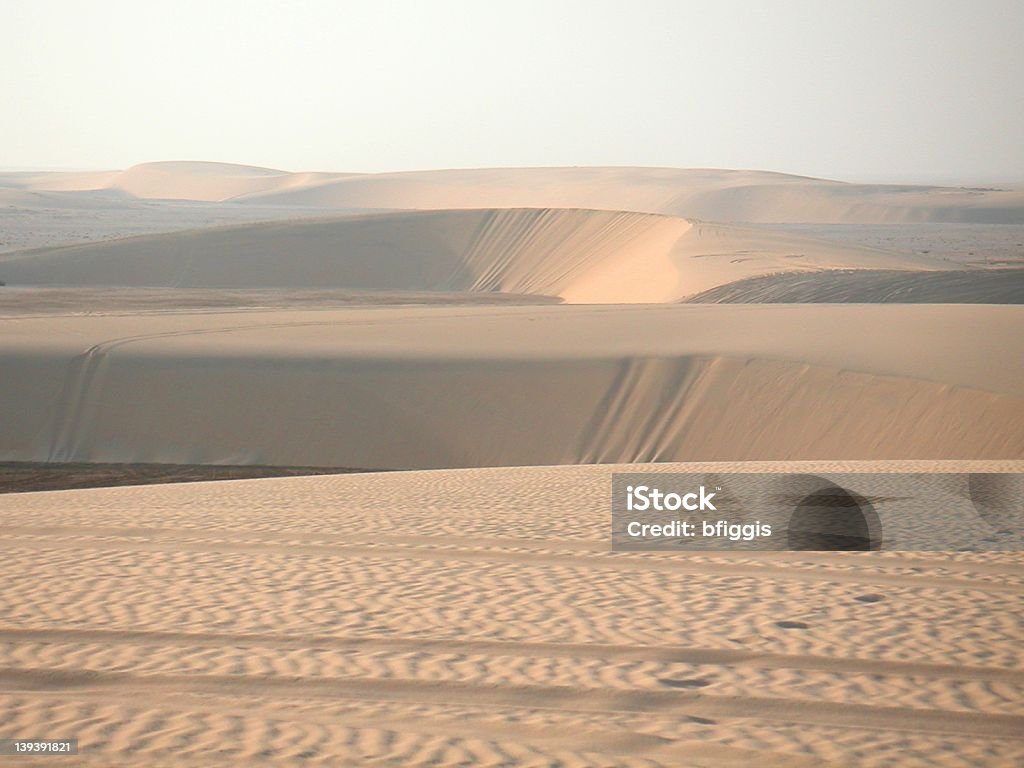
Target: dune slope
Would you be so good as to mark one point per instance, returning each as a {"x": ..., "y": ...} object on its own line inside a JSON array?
[
  {"x": 583, "y": 256},
  {"x": 874, "y": 286},
  {"x": 517, "y": 251},
  {"x": 434, "y": 387}
]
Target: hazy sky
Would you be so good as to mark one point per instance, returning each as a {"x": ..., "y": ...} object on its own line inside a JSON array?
[{"x": 901, "y": 90}]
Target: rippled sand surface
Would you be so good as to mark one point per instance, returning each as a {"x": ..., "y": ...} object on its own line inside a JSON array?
[{"x": 478, "y": 617}]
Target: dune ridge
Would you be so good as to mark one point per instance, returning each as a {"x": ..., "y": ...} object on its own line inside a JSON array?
[
  {"x": 436, "y": 387},
  {"x": 583, "y": 256},
  {"x": 716, "y": 195}
]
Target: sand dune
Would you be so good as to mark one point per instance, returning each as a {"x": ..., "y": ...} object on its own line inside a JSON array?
[
  {"x": 167, "y": 180},
  {"x": 874, "y": 286},
  {"x": 515, "y": 251},
  {"x": 968, "y": 245},
  {"x": 478, "y": 618},
  {"x": 583, "y": 256},
  {"x": 712, "y": 255},
  {"x": 434, "y": 387},
  {"x": 173, "y": 180},
  {"x": 210, "y": 182},
  {"x": 58, "y": 181},
  {"x": 716, "y": 195},
  {"x": 31, "y": 200},
  {"x": 35, "y": 300}
]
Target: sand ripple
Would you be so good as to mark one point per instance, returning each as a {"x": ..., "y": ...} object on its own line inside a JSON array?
[{"x": 431, "y": 618}]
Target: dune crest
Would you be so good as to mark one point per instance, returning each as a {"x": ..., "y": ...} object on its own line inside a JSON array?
[
  {"x": 208, "y": 182},
  {"x": 711, "y": 194}
]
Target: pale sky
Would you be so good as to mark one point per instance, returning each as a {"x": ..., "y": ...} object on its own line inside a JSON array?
[{"x": 862, "y": 90}]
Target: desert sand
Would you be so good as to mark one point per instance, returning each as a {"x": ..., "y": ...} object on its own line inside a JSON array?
[
  {"x": 411, "y": 387},
  {"x": 712, "y": 194},
  {"x": 476, "y": 617},
  {"x": 581, "y": 256},
  {"x": 506, "y": 338}
]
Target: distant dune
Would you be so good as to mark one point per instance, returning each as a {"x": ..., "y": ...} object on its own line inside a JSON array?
[
  {"x": 716, "y": 195},
  {"x": 874, "y": 286},
  {"x": 168, "y": 180},
  {"x": 583, "y": 256}
]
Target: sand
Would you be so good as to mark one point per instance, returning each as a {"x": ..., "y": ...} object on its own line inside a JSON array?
[
  {"x": 428, "y": 618},
  {"x": 968, "y": 245},
  {"x": 872, "y": 286},
  {"x": 582, "y": 256},
  {"x": 506, "y": 338},
  {"x": 438, "y": 387},
  {"x": 711, "y": 194}
]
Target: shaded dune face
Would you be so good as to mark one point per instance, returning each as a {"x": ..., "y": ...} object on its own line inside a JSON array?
[
  {"x": 246, "y": 407},
  {"x": 436, "y": 387},
  {"x": 998, "y": 286}
]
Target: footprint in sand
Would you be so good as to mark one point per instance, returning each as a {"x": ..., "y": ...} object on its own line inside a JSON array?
[
  {"x": 871, "y": 598},
  {"x": 792, "y": 625},
  {"x": 701, "y": 720}
]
